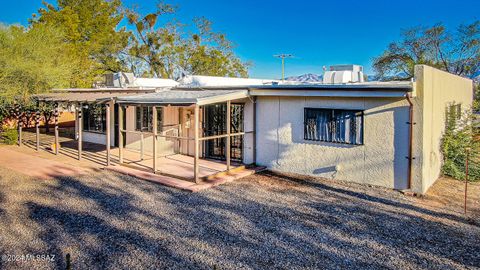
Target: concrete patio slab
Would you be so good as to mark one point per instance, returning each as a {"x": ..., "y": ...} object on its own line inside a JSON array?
[
  {"x": 35, "y": 166},
  {"x": 173, "y": 170}
]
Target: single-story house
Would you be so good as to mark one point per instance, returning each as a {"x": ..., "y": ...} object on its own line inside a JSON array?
[{"x": 379, "y": 133}]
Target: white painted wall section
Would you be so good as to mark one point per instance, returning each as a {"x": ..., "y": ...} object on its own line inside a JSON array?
[{"x": 380, "y": 161}]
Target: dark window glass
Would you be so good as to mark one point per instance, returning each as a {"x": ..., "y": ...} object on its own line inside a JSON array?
[
  {"x": 144, "y": 118},
  {"x": 94, "y": 118},
  {"x": 334, "y": 125}
]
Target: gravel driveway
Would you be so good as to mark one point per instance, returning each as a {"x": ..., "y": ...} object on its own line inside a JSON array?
[{"x": 109, "y": 221}]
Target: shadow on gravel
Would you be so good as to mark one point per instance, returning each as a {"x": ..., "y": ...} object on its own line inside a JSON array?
[
  {"x": 282, "y": 236},
  {"x": 367, "y": 197},
  {"x": 109, "y": 242},
  {"x": 129, "y": 223}
]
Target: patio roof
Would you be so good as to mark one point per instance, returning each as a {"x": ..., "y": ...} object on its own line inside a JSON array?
[
  {"x": 183, "y": 97},
  {"x": 89, "y": 96}
]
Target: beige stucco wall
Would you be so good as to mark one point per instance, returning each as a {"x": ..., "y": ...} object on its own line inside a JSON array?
[
  {"x": 435, "y": 90},
  {"x": 248, "y": 138},
  {"x": 380, "y": 161}
]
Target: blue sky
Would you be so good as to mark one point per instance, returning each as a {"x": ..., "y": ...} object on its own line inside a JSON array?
[{"x": 318, "y": 33}]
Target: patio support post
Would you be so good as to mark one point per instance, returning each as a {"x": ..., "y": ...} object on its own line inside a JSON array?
[
  {"x": 20, "y": 128},
  {"x": 229, "y": 120},
  {"x": 142, "y": 147},
  {"x": 254, "y": 130},
  {"x": 107, "y": 119},
  {"x": 19, "y": 123},
  {"x": 120, "y": 133},
  {"x": 80, "y": 130},
  {"x": 55, "y": 115},
  {"x": 196, "y": 140},
  {"x": 154, "y": 112},
  {"x": 37, "y": 128}
]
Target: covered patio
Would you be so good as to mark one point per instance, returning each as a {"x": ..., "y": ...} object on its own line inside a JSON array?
[
  {"x": 121, "y": 153},
  {"x": 95, "y": 155}
]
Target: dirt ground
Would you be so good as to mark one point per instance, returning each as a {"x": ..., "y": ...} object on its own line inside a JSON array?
[
  {"x": 446, "y": 193},
  {"x": 450, "y": 193}
]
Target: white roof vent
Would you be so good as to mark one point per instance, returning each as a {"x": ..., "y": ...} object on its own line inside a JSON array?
[
  {"x": 212, "y": 81},
  {"x": 343, "y": 74},
  {"x": 126, "y": 80}
]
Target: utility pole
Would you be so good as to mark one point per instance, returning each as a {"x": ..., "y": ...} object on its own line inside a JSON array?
[{"x": 283, "y": 56}]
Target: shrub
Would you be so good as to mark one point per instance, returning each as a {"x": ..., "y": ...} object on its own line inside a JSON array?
[
  {"x": 9, "y": 136},
  {"x": 460, "y": 136}
]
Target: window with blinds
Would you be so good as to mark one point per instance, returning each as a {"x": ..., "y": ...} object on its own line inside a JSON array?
[{"x": 334, "y": 125}]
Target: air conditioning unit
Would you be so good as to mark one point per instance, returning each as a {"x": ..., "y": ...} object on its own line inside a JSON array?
[
  {"x": 339, "y": 74},
  {"x": 119, "y": 79}
]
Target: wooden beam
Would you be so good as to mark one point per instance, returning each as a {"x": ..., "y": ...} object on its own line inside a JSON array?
[
  {"x": 227, "y": 140},
  {"x": 180, "y": 130},
  {"x": 107, "y": 119},
  {"x": 254, "y": 130},
  {"x": 20, "y": 127},
  {"x": 80, "y": 131},
  {"x": 19, "y": 124},
  {"x": 120, "y": 133},
  {"x": 179, "y": 138},
  {"x": 154, "y": 129},
  {"x": 222, "y": 136},
  {"x": 142, "y": 147},
  {"x": 196, "y": 130},
  {"x": 57, "y": 141},
  {"x": 37, "y": 129}
]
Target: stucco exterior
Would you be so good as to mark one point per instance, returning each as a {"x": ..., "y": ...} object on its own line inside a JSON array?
[
  {"x": 382, "y": 159},
  {"x": 379, "y": 161},
  {"x": 435, "y": 90}
]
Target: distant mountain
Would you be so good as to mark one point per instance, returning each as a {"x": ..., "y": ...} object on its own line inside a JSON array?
[
  {"x": 372, "y": 78},
  {"x": 312, "y": 78},
  {"x": 306, "y": 78}
]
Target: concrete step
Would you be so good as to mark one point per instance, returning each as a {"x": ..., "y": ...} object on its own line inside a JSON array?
[{"x": 206, "y": 183}]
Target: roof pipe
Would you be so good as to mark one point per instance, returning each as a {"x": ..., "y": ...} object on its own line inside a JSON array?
[{"x": 410, "y": 140}]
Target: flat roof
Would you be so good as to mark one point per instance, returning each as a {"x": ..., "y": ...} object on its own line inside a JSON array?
[
  {"x": 183, "y": 97},
  {"x": 188, "y": 95},
  {"x": 83, "y": 96},
  {"x": 367, "y": 86}
]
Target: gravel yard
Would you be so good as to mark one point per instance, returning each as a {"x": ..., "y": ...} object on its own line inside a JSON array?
[{"x": 109, "y": 221}]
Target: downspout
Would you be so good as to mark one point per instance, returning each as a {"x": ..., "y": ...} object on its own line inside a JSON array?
[{"x": 410, "y": 140}]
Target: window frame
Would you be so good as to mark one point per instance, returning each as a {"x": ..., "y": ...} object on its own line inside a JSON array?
[
  {"x": 330, "y": 135},
  {"x": 149, "y": 126},
  {"x": 87, "y": 117}
]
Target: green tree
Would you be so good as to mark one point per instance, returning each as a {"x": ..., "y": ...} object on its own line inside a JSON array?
[
  {"x": 456, "y": 52},
  {"x": 90, "y": 28},
  {"x": 169, "y": 51},
  {"x": 32, "y": 61},
  {"x": 460, "y": 135}
]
